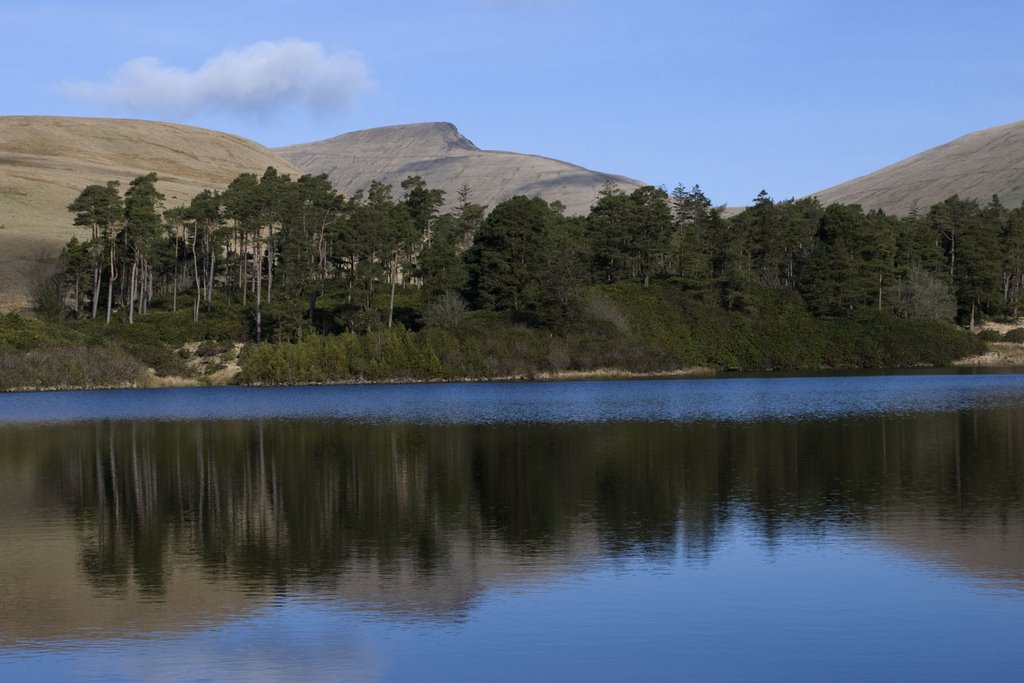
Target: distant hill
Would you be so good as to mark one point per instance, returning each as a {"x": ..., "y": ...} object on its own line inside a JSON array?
[
  {"x": 446, "y": 160},
  {"x": 976, "y": 166},
  {"x": 45, "y": 161}
]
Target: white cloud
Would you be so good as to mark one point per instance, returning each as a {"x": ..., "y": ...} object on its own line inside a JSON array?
[{"x": 260, "y": 78}]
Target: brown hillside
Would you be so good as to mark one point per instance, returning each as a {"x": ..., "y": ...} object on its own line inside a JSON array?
[
  {"x": 975, "y": 166},
  {"x": 45, "y": 161},
  {"x": 446, "y": 160}
]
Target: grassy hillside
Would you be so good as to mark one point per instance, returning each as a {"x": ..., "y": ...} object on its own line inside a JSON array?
[
  {"x": 975, "y": 166},
  {"x": 45, "y": 161}
]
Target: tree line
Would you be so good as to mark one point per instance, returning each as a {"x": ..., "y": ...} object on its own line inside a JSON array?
[{"x": 298, "y": 257}]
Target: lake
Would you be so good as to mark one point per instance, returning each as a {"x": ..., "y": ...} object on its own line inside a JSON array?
[{"x": 841, "y": 528}]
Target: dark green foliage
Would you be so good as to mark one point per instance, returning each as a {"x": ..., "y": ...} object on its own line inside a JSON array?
[
  {"x": 368, "y": 288},
  {"x": 1012, "y": 246},
  {"x": 784, "y": 335},
  {"x": 626, "y": 327},
  {"x": 391, "y": 353},
  {"x": 765, "y": 230},
  {"x": 630, "y": 234},
  {"x": 970, "y": 238},
  {"x": 142, "y": 209},
  {"x": 440, "y": 266},
  {"x": 1015, "y": 335},
  {"x": 849, "y": 266},
  {"x": 422, "y": 205},
  {"x": 507, "y": 261},
  {"x": 145, "y": 343},
  {"x": 21, "y": 333},
  {"x": 100, "y": 208},
  {"x": 692, "y": 246}
]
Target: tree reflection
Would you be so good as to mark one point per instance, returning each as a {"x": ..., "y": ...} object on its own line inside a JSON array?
[{"x": 279, "y": 503}]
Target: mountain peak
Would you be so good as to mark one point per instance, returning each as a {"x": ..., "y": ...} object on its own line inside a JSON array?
[
  {"x": 438, "y": 138},
  {"x": 448, "y": 161}
]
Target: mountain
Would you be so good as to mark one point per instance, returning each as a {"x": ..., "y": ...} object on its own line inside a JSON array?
[
  {"x": 976, "y": 166},
  {"x": 46, "y": 161},
  {"x": 446, "y": 160}
]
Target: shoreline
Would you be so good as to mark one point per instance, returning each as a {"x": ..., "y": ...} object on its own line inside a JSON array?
[
  {"x": 989, "y": 360},
  {"x": 176, "y": 382},
  {"x": 998, "y": 354}
]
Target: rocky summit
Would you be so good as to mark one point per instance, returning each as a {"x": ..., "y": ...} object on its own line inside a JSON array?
[{"x": 447, "y": 160}]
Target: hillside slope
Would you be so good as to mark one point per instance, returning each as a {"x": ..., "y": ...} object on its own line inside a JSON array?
[
  {"x": 976, "y": 166},
  {"x": 446, "y": 160},
  {"x": 45, "y": 161}
]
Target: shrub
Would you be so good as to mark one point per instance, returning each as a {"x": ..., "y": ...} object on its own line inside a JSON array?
[
  {"x": 448, "y": 312},
  {"x": 68, "y": 367},
  {"x": 1015, "y": 335}
]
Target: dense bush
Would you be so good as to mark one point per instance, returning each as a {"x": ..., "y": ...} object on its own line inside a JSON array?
[
  {"x": 990, "y": 336},
  {"x": 386, "y": 354},
  {"x": 21, "y": 332},
  {"x": 148, "y": 345},
  {"x": 68, "y": 367},
  {"x": 633, "y": 329},
  {"x": 1015, "y": 335}
]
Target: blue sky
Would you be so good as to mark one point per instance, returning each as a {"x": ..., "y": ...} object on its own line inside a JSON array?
[{"x": 735, "y": 95}]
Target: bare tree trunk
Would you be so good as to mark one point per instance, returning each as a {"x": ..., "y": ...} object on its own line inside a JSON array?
[
  {"x": 259, "y": 322},
  {"x": 141, "y": 283},
  {"x": 243, "y": 277},
  {"x": 259, "y": 294},
  {"x": 270, "y": 263},
  {"x": 110, "y": 286},
  {"x": 322, "y": 254},
  {"x": 391, "y": 306},
  {"x": 952, "y": 253},
  {"x": 209, "y": 280},
  {"x": 174, "y": 298},
  {"x": 195, "y": 270},
  {"x": 257, "y": 272},
  {"x": 131, "y": 293},
  {"x": 143, "y": 288},
  {"x": 96, "y": 282}
]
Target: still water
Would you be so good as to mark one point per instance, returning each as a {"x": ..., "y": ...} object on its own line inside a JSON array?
[{"x": 794, "y": 529}]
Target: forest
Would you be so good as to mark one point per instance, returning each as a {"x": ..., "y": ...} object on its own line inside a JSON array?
[{"x": 406, "y": 283}]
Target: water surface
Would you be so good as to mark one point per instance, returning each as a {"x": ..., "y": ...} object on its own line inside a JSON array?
[{"x": 849, "y": 528}]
